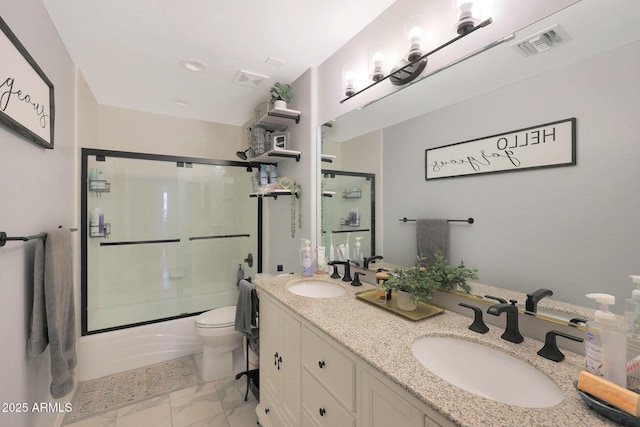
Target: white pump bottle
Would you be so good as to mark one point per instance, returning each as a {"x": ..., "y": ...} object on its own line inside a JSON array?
[{"x": 606, "y": 345}]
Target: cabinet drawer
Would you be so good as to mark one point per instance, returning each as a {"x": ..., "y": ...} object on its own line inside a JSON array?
[
  {"x": 267, "y": 412},
  {"x": 322, "y": 407},
  {"x": 335, "y": 371}
]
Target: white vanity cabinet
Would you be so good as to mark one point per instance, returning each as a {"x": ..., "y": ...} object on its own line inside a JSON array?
[
  {"x": 332, "y": 387},
  {"x": 280, "y": 370}
]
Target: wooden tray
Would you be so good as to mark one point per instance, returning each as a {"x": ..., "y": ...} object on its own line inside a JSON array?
[{"x": 423, "y": 311}]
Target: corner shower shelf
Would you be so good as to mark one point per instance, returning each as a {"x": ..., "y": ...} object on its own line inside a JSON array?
[
  {"x": 94, "y": 230},
  {"x": 99, "y": 186}
]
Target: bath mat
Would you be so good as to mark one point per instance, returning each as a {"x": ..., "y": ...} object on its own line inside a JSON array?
[{"x": 104, "y": 394}]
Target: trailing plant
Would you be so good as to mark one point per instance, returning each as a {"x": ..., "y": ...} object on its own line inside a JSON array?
[
  {"x": 281, "y": 91},
  {"x": 296, "y": 195}
]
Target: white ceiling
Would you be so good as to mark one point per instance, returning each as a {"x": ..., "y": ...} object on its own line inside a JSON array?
[{"x": 130, "y": 50}]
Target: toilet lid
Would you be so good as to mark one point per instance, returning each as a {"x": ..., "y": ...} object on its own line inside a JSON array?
[{"x": 218, "y": 318}]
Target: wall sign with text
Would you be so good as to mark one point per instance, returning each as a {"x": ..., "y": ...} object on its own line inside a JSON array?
[
  {"x": 547, "y": 145},
  {"x": 26, "y": 94}
]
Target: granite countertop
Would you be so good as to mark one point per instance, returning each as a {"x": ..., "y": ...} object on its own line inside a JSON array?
[{"x": 384, "y": 340}]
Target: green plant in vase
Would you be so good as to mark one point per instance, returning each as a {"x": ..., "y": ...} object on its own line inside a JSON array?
[
  {"x": 415, "y": 280},
  {"x": 281, "y": 92}
]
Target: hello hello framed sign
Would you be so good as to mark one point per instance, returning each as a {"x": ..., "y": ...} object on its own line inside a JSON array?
[
  {"x": 548, "y": 145},
  {"x": 26, "y": 94}
]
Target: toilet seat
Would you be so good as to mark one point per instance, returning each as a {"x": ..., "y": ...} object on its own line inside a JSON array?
[{"x": 223, "y": 317}]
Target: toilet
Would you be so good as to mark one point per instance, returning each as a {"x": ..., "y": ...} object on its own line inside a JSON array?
[{"x": 215, "y": 328}]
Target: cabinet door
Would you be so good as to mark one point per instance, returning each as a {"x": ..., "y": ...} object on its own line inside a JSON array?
[
  {"x": 270, "y": 338},
  {"x": 321, "y": 406},
  {"x": 382, "y": 407},
  {"x": 267, "y": 412},
  {"x": 290, "y": 367}
]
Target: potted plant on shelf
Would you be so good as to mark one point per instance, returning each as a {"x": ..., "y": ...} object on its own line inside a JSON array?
[{"x": 281, "y": 94}]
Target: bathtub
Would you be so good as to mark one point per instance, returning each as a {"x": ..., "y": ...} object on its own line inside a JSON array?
[{"x": 117, "y": 351}]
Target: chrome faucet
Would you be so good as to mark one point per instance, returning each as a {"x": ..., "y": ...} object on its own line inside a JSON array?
[
  {"x": 371, "y": 260},
  {"x": 511, "y": 332},
  {"x": 531, "y": 305}
]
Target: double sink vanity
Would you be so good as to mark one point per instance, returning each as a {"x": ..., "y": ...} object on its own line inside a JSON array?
[{"x": 331, "y": 359}]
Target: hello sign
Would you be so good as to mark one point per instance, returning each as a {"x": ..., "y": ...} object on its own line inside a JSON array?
[{"x": 548, "y": 145}]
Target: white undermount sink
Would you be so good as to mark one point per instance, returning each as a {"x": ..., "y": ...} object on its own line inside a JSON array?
[
  {"x": 317, "y": 289},
  {"x": 487, "y": 372}
]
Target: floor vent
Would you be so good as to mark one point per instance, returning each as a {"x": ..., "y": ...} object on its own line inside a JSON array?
[{"x": 540, "y": 42}]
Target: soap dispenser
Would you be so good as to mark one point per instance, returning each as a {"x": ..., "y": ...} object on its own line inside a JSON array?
[
  {"x": 606, "y": 346},
  {"x": 632, "y": 323},
  {"x": 357, "y": 252}
]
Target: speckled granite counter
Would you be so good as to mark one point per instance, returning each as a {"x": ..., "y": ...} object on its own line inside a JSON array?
[{"x": 384, "y": 339}]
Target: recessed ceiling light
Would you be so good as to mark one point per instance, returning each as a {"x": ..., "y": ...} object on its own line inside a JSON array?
[{"x": 194, "y": 65}]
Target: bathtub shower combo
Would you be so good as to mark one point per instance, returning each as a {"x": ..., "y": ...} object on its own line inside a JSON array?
[{"x": 164, "y": 238}]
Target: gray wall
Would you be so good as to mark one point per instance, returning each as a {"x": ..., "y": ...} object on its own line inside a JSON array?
[
  {"x": 571, "y": 229},
  {"x": 37, "y": 193}
]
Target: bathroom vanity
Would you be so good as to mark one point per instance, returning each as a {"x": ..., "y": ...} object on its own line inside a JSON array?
[{"x": 343, "y": 362}]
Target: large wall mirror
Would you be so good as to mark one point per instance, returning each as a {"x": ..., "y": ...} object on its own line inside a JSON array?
[{"x": 572, "y": 229}]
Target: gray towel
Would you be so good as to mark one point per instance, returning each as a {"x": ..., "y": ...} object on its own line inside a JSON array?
[
  {"x": 38, "y": 334},
  {"x": 53, "y": 317},
  {"x": 433, "y": 236},
  {"x": 246, "y": 308}
]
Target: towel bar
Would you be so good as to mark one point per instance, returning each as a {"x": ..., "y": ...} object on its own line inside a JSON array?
[
  {"x": 4, "y": 238},
  {"x": 469, "y": 220}
]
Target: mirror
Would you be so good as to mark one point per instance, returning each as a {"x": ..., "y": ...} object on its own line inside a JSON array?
[
  {"x": 348, "y": 219},
  {"x": 570, "y": 229}
]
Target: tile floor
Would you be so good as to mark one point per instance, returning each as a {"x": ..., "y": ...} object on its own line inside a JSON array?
[{"x": 217, "y": 403}]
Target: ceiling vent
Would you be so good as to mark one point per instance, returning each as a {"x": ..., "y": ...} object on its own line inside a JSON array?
[
  {"x": 541, "y": 41},
  {"x": 247, "y": 78}
]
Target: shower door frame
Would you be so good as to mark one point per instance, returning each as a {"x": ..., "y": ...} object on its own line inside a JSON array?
[{"x": 84, "y": 218}]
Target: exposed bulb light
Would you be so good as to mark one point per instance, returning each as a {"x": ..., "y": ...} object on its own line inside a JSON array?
[
  {"x": 378, "y": 62},
  {"x": 349, "y": 77},
  {"x": 468, "y": 15},
  {"x": 415, "y": 44}
]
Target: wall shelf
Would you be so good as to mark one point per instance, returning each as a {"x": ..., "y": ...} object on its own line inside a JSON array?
[
  {"x": 278, "y": 117},
  {"x": 272, "y": 156},
  {"x": 328, "y": 158},
  {"x": 271, "y": 193}
]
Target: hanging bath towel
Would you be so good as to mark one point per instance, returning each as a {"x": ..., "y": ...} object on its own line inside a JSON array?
[
  {"x": 53, "y": 320},
  {"x": 433, "y": 236}
]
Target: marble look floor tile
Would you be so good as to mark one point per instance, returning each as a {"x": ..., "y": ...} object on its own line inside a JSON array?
[
  {"x": 141, "y": 406},
  {"x": 107, "y": 419},
  {"x": 197, "y": 404},
  {"x": 156, "y": 416},
  {"x": 231, "y": 392},
  {"x": 244, "y": 416}
]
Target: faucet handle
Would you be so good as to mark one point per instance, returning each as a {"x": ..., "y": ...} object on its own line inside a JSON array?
[
  {"x": 500, "y": 300},
  {"x": 356, "y": 279},
  {"x": 550, "y": 350},
  {"x": 335, "y": 274},
  {"x": 478, "y": 324}
]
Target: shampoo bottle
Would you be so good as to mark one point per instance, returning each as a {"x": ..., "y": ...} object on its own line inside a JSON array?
[
  {"x": 357, "y": 252},
  {"x": 632, "y": 323},
  {"x": 606, "y": 346}
]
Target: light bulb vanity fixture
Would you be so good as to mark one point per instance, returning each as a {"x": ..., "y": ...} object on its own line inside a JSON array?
[{"x": 415, "y": 61}]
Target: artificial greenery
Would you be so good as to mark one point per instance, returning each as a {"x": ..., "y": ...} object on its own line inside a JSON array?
[
  {"x": 424, "y": 278},
  {"x": 281, "y": 91},
  {"x": 451, "y": 278},
  {"x": 296, "y": 194}
]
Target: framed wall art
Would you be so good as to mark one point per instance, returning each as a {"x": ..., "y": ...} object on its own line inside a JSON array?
[
  {"x": 548, "y": 145},
  {"x": 26, "y": 94}
]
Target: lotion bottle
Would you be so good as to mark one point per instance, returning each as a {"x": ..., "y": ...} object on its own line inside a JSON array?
[
  {"x": 632, "y": 324},
  {"x": 606, "y": 345},
  {"x": 305, "y": 258}
]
